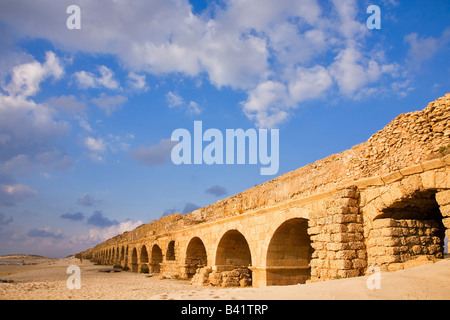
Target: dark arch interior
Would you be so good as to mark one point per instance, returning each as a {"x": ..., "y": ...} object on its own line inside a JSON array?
[
  {"x": 289, "y": 254},
  {"x": 195, "y": 256},
  {"x": 233, "y": 251},
  {"x": 171, "y": 251},
  {"x": 156, "y": 259}
]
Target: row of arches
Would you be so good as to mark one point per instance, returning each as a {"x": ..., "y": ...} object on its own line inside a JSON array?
[{"x": 288, "y": 254}]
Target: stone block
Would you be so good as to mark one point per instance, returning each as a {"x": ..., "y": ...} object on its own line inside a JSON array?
[
  {"x": 347, "y": 193},
  {"x": 411, "y": 170},
  {"x": 411, "y": 183},
  {"x": 443, "y": 197},
  {"x": 341, "y": 264},
  {"x": 344, "y": 218},
  {"x": 336, "y": 246},
  {"x": 392, "y": 232},
  {"x": 359, "y": 263},
  {"x": 442, "y": 180},
  {"x": 348, "y": 273},
  {"x": 446, "y": 160},
  {"x": 370, "y": 182},
  {"x": 433, "y": 164},
  {"x": 428, "y": 179},
  {"x": 445, "y": 210},
  {"x": 384, "y": 223},
  {"x": 446, "y": 222},
  {"x": 392, "y": 177}
]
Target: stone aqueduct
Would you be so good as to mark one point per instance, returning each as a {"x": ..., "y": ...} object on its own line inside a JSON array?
[{"x": 385, "y": 202}]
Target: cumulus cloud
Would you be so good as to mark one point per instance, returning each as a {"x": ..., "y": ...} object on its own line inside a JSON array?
[
  {"x": 281, "y": 53},
  {"x": 417, "y": 54},
  {"x": 26, "y": 78},
  {"x": 30, "y": 130},
  {"x": 137, "y": 81},
  {"x": 102, "y": 234},
  {"x": 86, "y": 80},
  {"x": 174, "y": 100}
]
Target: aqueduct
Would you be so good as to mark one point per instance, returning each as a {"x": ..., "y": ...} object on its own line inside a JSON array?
[{"x": 385, "y": 202}]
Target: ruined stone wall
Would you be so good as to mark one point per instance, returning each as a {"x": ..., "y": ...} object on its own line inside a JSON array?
[
  {"x": 393, "y": 242},
  {"x": 385, "y": 202},
  {"x": 337, "y": 239}
]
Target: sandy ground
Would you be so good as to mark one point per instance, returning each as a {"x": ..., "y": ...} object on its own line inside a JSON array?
[{"x": 46, "y": 279}]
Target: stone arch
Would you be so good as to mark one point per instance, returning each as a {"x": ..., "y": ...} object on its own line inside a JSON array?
[
  {"x": 143, "y": 257},
  {"x": 289, "y": 254},
  {"x": 134, "y": 260},
  {"x": 196, "y": 256},
  {"x": 279, "y": 219},
  {"x": 405, "y": 221},
  {"x": 170, "y": 253},
  {"x": 233, "y": 251},
  {"x": 156, "y": 259},
  {"x": 122, "y": 253}
]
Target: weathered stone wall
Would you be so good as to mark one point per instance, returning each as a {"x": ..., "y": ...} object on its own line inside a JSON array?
[
  {"x": 337, "y": 239},
  {"x": 392, "y": 243},
  {"x": 385, "y": 202}
]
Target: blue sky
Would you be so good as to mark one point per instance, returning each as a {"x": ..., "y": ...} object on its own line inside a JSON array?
[{"x": 86, "y": 115}]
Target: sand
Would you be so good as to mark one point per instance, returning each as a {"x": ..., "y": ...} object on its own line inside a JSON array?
[{"x": 46, "y": 279}]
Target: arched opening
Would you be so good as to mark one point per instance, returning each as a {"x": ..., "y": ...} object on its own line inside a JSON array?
[
  {"x": 122, "y": 254},
  {"x": 143, "y": 260},
  {"x": 233, "y": 251},
  {"x": 134, "y": 260},
  {"x": 156, "y": 259},
  {"x": 410, "y": 227},
  {"x": 171, "y": 251},
  {"x": 289, "y": 254},
  {"x": 195, "y": 256},
  {"x": 144, "y": 255}
]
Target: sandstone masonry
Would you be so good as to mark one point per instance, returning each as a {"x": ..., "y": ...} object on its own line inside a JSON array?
[{"x": 385, "y": 202}]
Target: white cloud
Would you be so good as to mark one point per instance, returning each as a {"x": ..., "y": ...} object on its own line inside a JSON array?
[
  {"x": 309, "y": 83},
  {"x": 102, "y": 234},
  {"x": 244, "y": 45},
  {"x": 95, "y": 145},
  {"x": 422, "y": 49},
  {"x": 174, "y": 100},
  {"x": 26, "y": 78},
  {"x": 268, "y": 104},
  {"x": 29, "y": 130},
  {"x": 88, "y": 80},
  {"x": 137, "y": 82}
]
